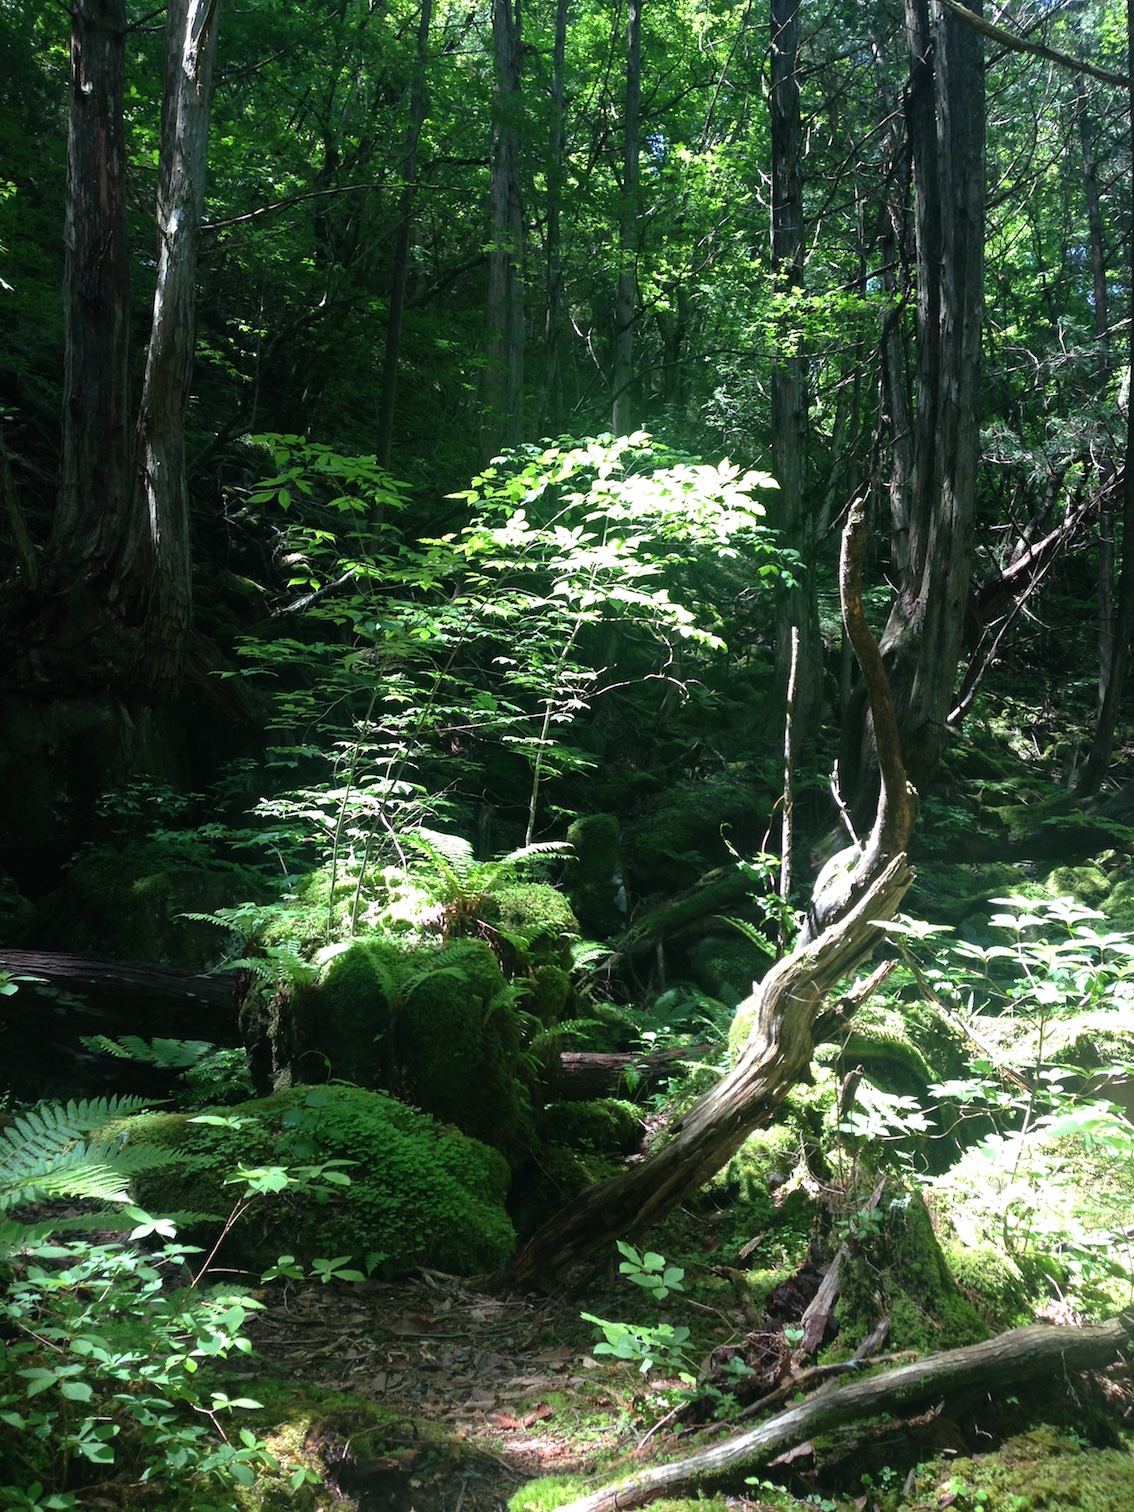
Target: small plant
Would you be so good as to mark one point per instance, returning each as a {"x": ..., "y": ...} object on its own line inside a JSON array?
[{"x": 650, "y": 1272}]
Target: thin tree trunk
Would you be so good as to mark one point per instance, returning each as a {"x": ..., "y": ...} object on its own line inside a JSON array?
[
  {"x": 190, "y": 48},
  {"x": 556, "y": 177},
  {"x": 626, "y": 298},
  {"x": 504, "y": 373},
  {"x": 798, "y": 607},
  {"x": 1098, "y": 760},
  {"x": 419, "y": 108}
]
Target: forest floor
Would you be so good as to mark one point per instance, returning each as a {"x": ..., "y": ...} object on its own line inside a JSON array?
[{"x": 474, "y": 1393}]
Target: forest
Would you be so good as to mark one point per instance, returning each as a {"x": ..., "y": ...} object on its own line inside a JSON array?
[{"x": 566, "y": 755}]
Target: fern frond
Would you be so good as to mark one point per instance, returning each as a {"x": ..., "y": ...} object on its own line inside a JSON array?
[
  {"x": 44, "y": 1153},
  {"x": 71, "y": 1120},
  {"x": 451, "y": 854},
  {"x": 751, "y": 933},
  {"x": 537, "y": 849}
]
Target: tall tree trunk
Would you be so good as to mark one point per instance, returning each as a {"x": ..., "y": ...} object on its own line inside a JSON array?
[
  {"x": 626, "y": 297},
  {"x": 1095, "y": 767},
  {"x": 946, "y": 122},
  {"x": 419, "y": 109},
  {"x": 550, "y": 418},
  {"x": 93, "y": 513},
  {"x": 504, "y": 373},
  {"x": 798, "y": 607},
  {"x": 190, "y": 48}
]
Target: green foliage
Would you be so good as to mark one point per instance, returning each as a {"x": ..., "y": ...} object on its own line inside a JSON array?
[
  {"x": 663, "y": 1344},
  {"x": 107, "y": 1357}
]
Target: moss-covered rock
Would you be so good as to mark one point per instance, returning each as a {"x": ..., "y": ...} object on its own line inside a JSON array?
[
  {"x": 595, "y": 883},
  {"x": 1045, "y": 1470},
  {"x": 551, "y": 1178},
  {"x": 896, "y": 1268},
  {"x": 533, "y": 922},
  {"x": 607, "y": 1126},
  {"x": 680, "y": 837},
  {"x": 130, "y": 903},
  {"x": 16, "y": 913},
  {"x": 420, "y": 1193},
  {"x": 993, "y": 1283},
  {"x": 1088, "y": 884},
  {"x": 436, "y": 1025},
  {"x": 727, "y": 966}
]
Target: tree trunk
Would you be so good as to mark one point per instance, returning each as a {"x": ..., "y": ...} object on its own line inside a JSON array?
[
  {"x": 93, "y": 514},
  {"x": 552, "y": 408},
  {"x": 1112, "y": 679},
  {"x": 190, "y": 48},
  {"x": 798, "y": 607},
  {"x": 1016, "y": 1357},
  {"x": 419, "y": 108},
  {"x": 504, "y": 373},
  {"x": 626, "y": 297},
  {"x": 945, "y": 119}
]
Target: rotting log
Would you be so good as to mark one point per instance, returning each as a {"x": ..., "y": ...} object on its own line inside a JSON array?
[{"x": 1021, "y": 1355}]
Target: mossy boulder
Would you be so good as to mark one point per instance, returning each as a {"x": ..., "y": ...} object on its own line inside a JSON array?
[
  {"x": 1044, "y": 1469},
  {"x": 992, "y": 1281},
  {"x": 16, "y": 913},
  {"x": 130, "y": 903},
  {"x": 949, "y": 892},
  {"x": 896, "y": 1269},
  {"x": 677, "y": 839},
  {"x": 727, "y": 966},
  {"x": 607, "y": 1126},
  {"x": 595, "y": 883},
  {"x": 420, "y": 1193},
  {"x": 1087, "y": 884},
  {"x": 436, "y": 1025},
  {"x": 533, "y": 923}
]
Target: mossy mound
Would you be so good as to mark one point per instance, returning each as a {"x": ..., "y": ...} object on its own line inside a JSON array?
[
  {"x": 594, "y": 878},
  {"x": 16, "y": 913},
  {"x": 896, "y": 1269},
  {"x": 1057, "y": 1203},
  {"x": 130, "y": 903},
  {"x": 551, "y": 1178},
  {"x": 677, "y": 839},
  {"x": 534, "y": 923},
  {"x": 419, "y": 1193},
  {"x": 993, "y": 1282},
  {"x": 607, "y": 1126},
  {"x": 1041, "y": 1471},
  {"x": 727, "y": 967},
  {"x": 436, "y": 1025},
  {"x": 948, "y": 892},
  {"x": 1087, "y": 884}
]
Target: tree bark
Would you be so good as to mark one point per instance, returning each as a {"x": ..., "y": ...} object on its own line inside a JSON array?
[
  {"x": 418, "y": 110},
  {"x": 190, "y": 49},
  {"x": 553, "y": 406},
  {"x": 798, "y": 607},
  {"x": 93, "y": 513},
  {"x": 1113, "y": 679},
  {"x": 504, "y": 373},
  {"x": 626, "y": 297},
  {"x": 1018, "y": 1356},
  {"x": 945, "y": 121}
]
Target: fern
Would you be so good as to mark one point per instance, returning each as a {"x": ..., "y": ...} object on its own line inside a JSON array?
[
  {"x": 45, "y": 1153},
  {"x": 166, "y": 1054}
]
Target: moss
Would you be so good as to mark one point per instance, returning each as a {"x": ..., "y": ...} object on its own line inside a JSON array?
[
  {"x": 594, "y": 879},
  {"x": 535, "y": 923},
  {"x": 606, "y": 1126},
  {"x": 1044, "y": 1469},
  {"x": 677, "y": 840},
  {"x": 898, "y": 1268},
  {"x": 16, "y": 913},
  {"x": 992, "y": 1282},
  {"x": 436, "y": 1025},
  {"x": 549, "y": 993},
  {"x": 419, "y": 1193},
  {"x": 948, "y": 892},
  {"x": 1086, "y": 884},
  {"x": 552, "y": 1176},
  {"x": 130, "y": 903},
  {"x": 727, "y": 966}
]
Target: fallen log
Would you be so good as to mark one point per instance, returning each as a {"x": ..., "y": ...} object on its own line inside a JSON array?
[
  {"x": 1020, "y": 1355},
  {"x": 586, "y": 1074}
]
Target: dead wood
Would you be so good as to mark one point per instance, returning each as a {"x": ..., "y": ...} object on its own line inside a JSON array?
[{"x": 1020, "y": 1355}]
